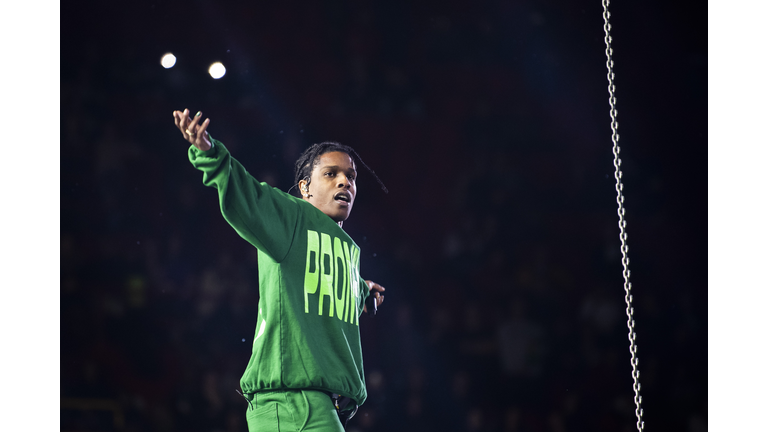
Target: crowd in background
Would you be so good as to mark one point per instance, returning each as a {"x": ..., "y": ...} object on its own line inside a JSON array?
[{"x": 497, "y": 242}]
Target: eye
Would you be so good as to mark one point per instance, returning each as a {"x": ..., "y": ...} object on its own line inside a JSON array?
[{"x": 330, "y": 174}]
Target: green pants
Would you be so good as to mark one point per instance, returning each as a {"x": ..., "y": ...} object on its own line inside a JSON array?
[{"x": 292, "y": 410}]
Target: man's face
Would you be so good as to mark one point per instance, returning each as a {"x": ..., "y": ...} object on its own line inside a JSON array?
[{"x": 332, "y": 189}]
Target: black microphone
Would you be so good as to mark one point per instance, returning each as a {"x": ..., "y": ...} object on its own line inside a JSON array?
[{"x": 371, "y": 305}]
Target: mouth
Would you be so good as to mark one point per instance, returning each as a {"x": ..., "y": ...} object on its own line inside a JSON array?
[{"x": 343, "y": 198}]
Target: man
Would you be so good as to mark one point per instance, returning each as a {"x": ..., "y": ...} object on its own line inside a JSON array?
[{"x": 306, "y": 361}]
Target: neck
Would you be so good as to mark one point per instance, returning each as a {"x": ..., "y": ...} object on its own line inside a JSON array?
[{"x": 340, "y": 223}]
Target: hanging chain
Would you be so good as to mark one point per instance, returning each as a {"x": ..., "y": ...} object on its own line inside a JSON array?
[{"x": 622, "y": 222}]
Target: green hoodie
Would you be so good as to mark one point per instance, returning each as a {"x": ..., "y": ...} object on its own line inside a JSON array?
[{"x": 311, "y": 294}]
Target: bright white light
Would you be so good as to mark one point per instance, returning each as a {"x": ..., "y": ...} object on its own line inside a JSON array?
[
  {"x": 168, "y": 60},
  {"x": 217, "y": 70}
]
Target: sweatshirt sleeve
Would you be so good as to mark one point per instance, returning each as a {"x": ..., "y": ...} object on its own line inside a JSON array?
[
  {"x": 364, "y": 293},
  {"x": 264, "y": 216}
]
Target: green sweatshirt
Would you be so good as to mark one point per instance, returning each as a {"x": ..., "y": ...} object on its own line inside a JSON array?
[{"x": 311, "y": 294}]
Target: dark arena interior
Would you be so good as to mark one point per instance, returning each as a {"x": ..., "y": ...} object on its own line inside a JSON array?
[{"x": 498, "y": 242}]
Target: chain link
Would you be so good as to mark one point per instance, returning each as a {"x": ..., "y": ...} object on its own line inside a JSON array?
[{"x": 622, "y": 222}]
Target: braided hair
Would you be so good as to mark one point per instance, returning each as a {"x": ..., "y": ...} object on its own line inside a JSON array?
[{"x": 309, "y": 159}]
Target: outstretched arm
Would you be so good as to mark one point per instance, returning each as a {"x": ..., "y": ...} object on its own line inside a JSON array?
[
  {"x": 264, "y": 216},
  {"x": 193, "y": 132}
]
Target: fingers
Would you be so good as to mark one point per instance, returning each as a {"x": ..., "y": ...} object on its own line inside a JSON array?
[
  {"x": 201, "y": 137},
  {"x": 376, "y": 290},
  {"x": 189, "y": 126},
  {"x": 192, "y": 125},
  {"x": 178, "y": 119},
  {"x": 181, "y": 118},
  {"x": 201, "y": 130},
  {"x": 192, "y": 129},
  {"x": 194, "y": 133},
  {"x": 197, "y": 135},
  {"x": 374, "y": 286}
]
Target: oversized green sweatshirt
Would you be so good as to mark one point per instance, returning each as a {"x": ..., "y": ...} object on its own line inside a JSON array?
[{"x": 311, "y": 294}]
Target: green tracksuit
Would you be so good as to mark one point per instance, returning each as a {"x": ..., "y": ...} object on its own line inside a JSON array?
[{"x": 311, "y": 294}]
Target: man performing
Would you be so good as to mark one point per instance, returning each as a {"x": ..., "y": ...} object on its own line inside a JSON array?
[{"x": 306, "y": 366}]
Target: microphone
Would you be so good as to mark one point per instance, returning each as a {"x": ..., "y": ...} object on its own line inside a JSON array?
[{"x": 370, "y": 305}]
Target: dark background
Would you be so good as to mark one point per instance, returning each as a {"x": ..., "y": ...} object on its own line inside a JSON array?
[{"x": 498, "y": 241}]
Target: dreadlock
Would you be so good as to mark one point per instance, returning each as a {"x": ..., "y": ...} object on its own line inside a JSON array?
[{"x": 307, "y": 161}]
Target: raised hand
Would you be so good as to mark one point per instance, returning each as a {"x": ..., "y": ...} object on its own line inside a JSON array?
[{"x": 193, "y": 132}]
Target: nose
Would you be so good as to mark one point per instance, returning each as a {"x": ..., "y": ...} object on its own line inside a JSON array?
[{"x": 344, "y": 181}]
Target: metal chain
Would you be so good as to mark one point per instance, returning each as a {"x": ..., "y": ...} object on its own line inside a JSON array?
[{"x": 622, "y": 222}]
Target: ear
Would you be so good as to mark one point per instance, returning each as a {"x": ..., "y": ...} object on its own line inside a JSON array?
[{"x": 304, "y": 189}]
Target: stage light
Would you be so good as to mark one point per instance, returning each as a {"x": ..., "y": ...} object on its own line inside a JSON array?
[
  {"x": 168, "y": 60},
  {"x": 217, "y": 70}
]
